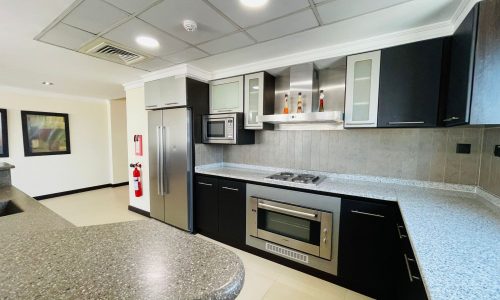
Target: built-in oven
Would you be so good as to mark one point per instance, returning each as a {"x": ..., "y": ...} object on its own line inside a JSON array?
[
  {"x": 296, "y": 225},
  {"x": 226, "y": 129},
  {"x": 304, "y": 229}
]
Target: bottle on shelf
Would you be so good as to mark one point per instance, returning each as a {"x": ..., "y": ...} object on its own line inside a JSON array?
[
  {"x": 285, "y": 110},
  {"x": 299, "y": 103},
  {"x": 321, "y": 101}
]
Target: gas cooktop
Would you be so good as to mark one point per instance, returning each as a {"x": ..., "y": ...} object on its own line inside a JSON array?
[{"x": 297, "y": 178}]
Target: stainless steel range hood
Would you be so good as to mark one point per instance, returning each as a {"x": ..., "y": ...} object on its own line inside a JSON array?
[{"x": 304, "y": 79}]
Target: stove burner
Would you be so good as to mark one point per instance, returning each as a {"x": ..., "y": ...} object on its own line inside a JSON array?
[{"x": 297, "y": 178}]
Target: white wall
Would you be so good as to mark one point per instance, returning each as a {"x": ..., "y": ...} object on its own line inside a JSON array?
[
  {"x": 87, "y": 165},
  {"x": 137, "y": 123},
  {"x": 117, "y": 124}
]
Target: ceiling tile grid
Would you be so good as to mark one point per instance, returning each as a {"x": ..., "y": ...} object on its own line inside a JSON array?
[{"x": 222, "y": 25}]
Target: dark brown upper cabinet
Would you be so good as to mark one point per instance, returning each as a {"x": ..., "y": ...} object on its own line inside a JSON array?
[
  {"x": 473, "y": 94},
  {"x": 410, "y": 84}
]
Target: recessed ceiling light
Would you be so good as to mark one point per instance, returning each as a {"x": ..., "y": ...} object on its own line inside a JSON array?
[
  {"x": 254, "y": 3},
  {"x": 47, "y": 83},
  {"x": 147, "y": 41}
]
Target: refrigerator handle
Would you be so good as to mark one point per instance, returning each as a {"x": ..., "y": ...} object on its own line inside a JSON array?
[
  {"x": 159, "y": 154},
  {"x": 164, "y": 163}
]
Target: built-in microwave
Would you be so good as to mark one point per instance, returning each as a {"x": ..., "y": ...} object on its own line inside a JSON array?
[{"x": 226, "y": 129}]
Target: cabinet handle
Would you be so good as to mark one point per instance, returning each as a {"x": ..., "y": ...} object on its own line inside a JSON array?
[
  {"x": 401, "y": 236},
  {"x": 451, "y": 119},
  {"x": 370, "y": 123},
  {"x": 367, "y": 214},
  {"x": 406, "y": 123},
  {"x": 151, "y": 105},
  {"x": 202, "y": 183},
  {"x": 224, "y": 110},
  {"x": 171, "y": 103},
  {"x": 228, "y": 188},
  {"x": 410, "y": 275}
]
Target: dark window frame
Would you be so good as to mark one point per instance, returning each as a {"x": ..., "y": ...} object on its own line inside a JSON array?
[{"x": 5, "y": 133}]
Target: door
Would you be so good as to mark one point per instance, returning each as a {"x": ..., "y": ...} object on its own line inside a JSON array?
[
  {"x": 155, "y": 146},
  {"x": 178, "y": 166},
  {"x": 226, "y": 95},
  {"x": 232, "y": 212},
  {"x": 362, "y": 84},
  {"x": 254, "y": 98},
  {"x": 410, "y": 81},
  {"x": 461, "y": 70},
  {"x": 207, "y": 206},
  {"x": 366, "y": 246}
]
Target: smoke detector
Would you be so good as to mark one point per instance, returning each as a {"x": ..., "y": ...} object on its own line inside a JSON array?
[{"x": 190, "y": 25}]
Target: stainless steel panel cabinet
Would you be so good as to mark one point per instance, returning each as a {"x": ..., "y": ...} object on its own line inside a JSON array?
[
  {"x": 226, "y": 95},
  {"x": 362, "y": 85},
  {"x": 165, "y": 92}
]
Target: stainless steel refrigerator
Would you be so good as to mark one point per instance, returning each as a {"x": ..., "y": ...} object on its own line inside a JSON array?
[{"x": 171, "y": 166}]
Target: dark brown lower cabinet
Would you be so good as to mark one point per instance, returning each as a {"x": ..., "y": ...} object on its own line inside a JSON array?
[{"x": 219, "y": 209}]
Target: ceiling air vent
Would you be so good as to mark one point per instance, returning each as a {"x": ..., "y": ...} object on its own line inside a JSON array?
[{"x": 104, "y": 49}]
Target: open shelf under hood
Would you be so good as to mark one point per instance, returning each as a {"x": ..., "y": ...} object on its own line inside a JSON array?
[{"x": 304, "y": 118}]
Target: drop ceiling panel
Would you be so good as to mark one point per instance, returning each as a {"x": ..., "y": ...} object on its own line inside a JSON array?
[
  {"x": 186, "y": 55},
  {"x": 94, "y": 16},
  {"x": 170, "y": 14},
  {"x": 343, "y": 9},
  {"x": 244, "y": 16},
  {"x": 66, "y": 36},
  {"x": 153, "y": 64},
  {"x": 126, "y": 34},
  {"x": 131, "y": 6},
  {"x": 227, "y": 43},
  {"x": 284, "y": 26}
]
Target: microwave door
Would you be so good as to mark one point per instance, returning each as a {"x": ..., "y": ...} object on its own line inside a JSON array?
[{"x": 216, "y": 129}]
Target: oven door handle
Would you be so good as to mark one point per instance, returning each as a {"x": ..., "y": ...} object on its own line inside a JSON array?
[{"x": 288, "y": 211}]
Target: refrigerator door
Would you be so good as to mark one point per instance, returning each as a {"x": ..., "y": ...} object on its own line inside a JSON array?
[
  {"x": 178, "y": 163},
  {"x": 156, "y": 158}
]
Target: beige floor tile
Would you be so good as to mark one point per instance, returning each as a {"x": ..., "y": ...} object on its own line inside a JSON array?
[
  {"x": 256, "y": 285},
  {"x": 109, "y": 205},
  {"x": 280, "y": 291}
]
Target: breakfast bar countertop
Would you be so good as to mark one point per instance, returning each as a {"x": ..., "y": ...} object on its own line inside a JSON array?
[
  {"x": 45, "y": 257},
  {"x": 454, "y": 231}
]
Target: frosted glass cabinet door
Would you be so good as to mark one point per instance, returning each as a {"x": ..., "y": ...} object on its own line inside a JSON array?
[
  {"x": 254, "y": 100},
  {"x": 226, "y": 95},
  {"x": 362, "y": 83}
]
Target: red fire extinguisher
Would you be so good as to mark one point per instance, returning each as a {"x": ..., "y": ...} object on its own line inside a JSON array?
[{"x": 137, "y": 179}]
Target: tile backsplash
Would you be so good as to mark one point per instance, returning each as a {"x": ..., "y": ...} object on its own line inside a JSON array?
[
  {"x": 207, "y": 154},
  {"x": 490, "y": 164},
  {"x": 421, "y": 154}
]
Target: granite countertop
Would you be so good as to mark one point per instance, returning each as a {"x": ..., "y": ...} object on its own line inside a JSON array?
[
  {"x": 5, "y": 166},
  {"x": 43, "y": 256},
  {"x": 454, "y": 234}
]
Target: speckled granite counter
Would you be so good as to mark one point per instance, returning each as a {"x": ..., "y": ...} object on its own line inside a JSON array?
[
  {"x": 45, "y": 257},
  {"x": 455, "y": 236},
  {"x": 35, "y": 217}
]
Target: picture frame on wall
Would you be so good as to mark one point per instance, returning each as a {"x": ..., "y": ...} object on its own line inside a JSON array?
[
  {"x": 45, "y": 133},
  {"x": 4, "y": 142}
]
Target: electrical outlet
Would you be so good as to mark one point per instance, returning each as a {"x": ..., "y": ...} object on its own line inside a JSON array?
[
  {"x": 463, "y": 148},
  {"x": 497, "y": 151}
]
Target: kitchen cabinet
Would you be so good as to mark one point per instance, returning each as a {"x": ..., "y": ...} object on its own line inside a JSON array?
[
  {"x": 474, "y": 68},
  {"x": 259, "y": 99},
  {"x": 165, "y": 92},
  {"x": 232, "y": 212},
  {"x": 366, "y": 247},
  {"x": 410, "y": 84},
  {"x": 206, "y": 210},
  {"x": 226, "y": 95},
  {"x": 362, "y": 87},
  {"x": 220, "y": 208},
  {"x": 408, "y": 279}
]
